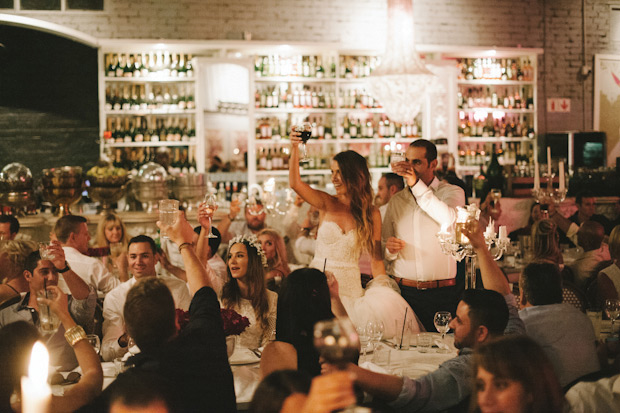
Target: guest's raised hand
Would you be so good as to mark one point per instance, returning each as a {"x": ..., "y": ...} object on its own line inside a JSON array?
[
  {"x": 204, "y": 214},
  {"x": 235, "y": 207},
  {"x": 395, "y": 245},
  {"x": 473, "y": 231},
  {"x": 55, "y": 248},
  {"x": 295, "y": 138},
  {"x": 179, "y": 233},
  {"x": 405, "y": 169}
]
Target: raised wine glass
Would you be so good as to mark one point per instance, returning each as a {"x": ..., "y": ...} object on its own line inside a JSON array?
[
  {"x": 442, "y": 324},
  {"x": 612, "y": 309},
  {"x": 306, "y": 132},
  {"x": 211, "y": 205}
]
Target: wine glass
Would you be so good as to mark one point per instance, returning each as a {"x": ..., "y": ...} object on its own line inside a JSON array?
[
  {"x": 364, "y": 337},
  {"x": 211, "y": 204},
  {"x": 306, "y": 132},
  {"x": 442, "y": 320},
  {"x": 94, "y": 341},
  {"x": 612, "y": 309},
  {"x": 337, "y": 342}
]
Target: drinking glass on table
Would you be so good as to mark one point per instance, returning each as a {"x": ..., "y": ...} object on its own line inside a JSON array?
[
  {"x": 94, "y": 341},
  {"x": 375, "y": 330},
  {"x": 612, "y": 309},
  {"x": 211, "y": 204},
  {"x": 168, "y": 213},
  {"x": 442, "y": 320},
  {"x": 305, "y": 129}
]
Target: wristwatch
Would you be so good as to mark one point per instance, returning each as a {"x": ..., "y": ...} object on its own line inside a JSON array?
[{"x": 64, "y": 270}]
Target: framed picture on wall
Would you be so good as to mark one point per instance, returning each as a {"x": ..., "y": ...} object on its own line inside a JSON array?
[{"x": 607, "y": 102}]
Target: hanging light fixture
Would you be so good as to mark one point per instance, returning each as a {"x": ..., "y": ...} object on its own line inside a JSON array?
[{"x": 401, "y": 80}]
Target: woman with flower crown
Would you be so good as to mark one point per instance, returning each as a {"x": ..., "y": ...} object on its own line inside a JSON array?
[{"x": 349, "y": 224}]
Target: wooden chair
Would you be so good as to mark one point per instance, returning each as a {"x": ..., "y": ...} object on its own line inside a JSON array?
[{"x": 573, "y": 295}]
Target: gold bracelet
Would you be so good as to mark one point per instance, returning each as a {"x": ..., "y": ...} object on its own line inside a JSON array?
[
  {"x": 185, "y": 245},
  {"x": 75, "y": 334}
]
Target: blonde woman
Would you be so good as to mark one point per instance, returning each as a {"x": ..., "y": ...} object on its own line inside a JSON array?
[
  {"x": 12, "y": 257},
  {"x": 111, "y": 230},
  {"x": 277, "y": 261}
]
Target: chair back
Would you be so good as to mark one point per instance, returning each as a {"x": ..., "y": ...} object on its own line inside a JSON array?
[{"x": 574, "y": 296}]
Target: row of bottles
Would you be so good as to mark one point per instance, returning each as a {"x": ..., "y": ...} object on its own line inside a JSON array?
[
  {"x": 501, "y": 98},
  {"x": 148, "y": 129},
  {"x": 512, "y": 153},
  {"x": 136, "y": 97},
  {"x": 296, "y": 65},
  {"x": 312, "y": 97},
  {"x": 272, "y": 159},
  {"x": 352, "y": 67},
  {"x": 176, "y": 160},
  {"x": 225, "y": 190},
  {"x": 154, "y": 64},
  {"x": 506, "y": 126},
  {"x": 496, "y": 69}
]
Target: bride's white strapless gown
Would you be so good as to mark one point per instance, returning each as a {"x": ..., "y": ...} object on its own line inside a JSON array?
[{"x": 378, "y": 301}]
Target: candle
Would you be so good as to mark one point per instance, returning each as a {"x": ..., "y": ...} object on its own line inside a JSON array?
[
  {"x": 502, "y": 232},
  {"x": 561, "y": 175},
  {"x": 490, "y": 231},
  {"x": 536, "y": 177},
  {"x": 549, "y": 161},
  {"x": 36, "y": 393}
]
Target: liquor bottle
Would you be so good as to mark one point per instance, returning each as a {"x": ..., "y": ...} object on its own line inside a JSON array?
[
  {"x": 494, "y": 174},
  {"x": 128, "y": 68}
]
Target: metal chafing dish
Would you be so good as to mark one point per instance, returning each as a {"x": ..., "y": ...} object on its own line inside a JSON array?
[
  {"x": 150, "y": 185},
  {"x": 63, "y": 187},
  {"x": 16, "y": 192},
  {"x": 107, "y": 185},
  {"x": 189, "y": 188}
]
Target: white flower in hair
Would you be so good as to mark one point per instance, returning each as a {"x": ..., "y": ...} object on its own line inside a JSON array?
[{"x": 254, "y": 242}]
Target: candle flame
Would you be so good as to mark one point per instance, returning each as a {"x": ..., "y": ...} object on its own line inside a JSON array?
[{"x": 39, "y": 361}]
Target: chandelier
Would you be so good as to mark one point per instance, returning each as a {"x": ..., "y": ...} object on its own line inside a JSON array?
[{"x": 401, "y": 81}]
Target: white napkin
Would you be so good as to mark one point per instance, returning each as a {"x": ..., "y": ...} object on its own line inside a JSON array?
[{"x": 369, "y": 365}]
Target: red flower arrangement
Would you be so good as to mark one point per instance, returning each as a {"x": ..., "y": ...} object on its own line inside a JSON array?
[{"x": 232, "y": 321}]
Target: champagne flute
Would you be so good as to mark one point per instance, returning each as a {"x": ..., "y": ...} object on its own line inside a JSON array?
[
  {"x": 211, "y": 204},
  {"x": 306, "y": 133},
  {"x": 442, "y": 324},
  {"x": 612, "y": 309}
]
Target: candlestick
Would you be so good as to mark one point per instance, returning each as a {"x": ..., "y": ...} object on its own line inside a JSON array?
[
  {"x": 561, "y": 175},
  {"x": 502, "y": 232},
  {"x": 36, "y": 393},
  {"x": 536, "y": 177},
  {"x": 549, "y": 161}
]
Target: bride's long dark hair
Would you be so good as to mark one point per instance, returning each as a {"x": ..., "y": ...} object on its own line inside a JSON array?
[{"x": 356, "y": 178}]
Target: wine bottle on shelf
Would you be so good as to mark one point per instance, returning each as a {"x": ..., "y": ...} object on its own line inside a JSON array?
[
  {"x": 120, "y": 67},
  {"x": 112, "y": 64},
  {"x": 128, "y": 68}
]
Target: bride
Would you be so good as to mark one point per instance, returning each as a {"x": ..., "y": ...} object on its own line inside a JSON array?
[{"x": 349, "y": 224}]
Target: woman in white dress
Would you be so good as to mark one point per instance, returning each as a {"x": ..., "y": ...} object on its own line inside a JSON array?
[{"x": 349, "y": 224}]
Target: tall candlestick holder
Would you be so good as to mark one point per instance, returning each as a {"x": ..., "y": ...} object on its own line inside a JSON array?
[
  {"x": 544, "y": 195},
  {"x": 455, "y": 244}
]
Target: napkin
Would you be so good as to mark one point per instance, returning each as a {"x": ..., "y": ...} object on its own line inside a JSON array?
[{"x": 369, "y": 365}]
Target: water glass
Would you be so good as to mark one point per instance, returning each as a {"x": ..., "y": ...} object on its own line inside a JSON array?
[
  {"x": 382, "y": 357},
  {"x": 404, "y": 334},
  {"x": 45, "y": 253},
  {"x": 94, "y": 341},
  {"x": 168, "y": 213},
  {"x": 116, "y": 249},
  {"x": 425, "y": 342},
  {"x": 48, "y": 320},
  {"x": 396, "y": 158}
]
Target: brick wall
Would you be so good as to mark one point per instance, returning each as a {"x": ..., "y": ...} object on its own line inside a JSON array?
[{"x": 554, "y": 25}]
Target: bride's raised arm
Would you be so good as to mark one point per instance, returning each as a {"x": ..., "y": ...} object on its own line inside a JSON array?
[{"x": 316, "y": 198}]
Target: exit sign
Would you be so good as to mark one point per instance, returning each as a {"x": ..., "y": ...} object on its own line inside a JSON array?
[{"x": 558, "y": 105}]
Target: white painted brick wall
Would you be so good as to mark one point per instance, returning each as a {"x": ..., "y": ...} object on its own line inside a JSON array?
[{"x": 361, "y": 24}]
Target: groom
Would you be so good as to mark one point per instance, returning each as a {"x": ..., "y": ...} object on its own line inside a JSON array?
[{"x": 413, "y": 256}]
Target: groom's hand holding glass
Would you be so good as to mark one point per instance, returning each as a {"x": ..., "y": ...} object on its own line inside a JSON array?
[{"x": 406, "y": 170}]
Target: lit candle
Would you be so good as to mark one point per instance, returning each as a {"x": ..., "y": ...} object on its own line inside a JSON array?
[
  {"x": 549, "y": 161},
  {"x": 561, "y": 175},
  {"x": 490, "y": 231},
  {"x": 502, "y": 232},
  {"x": 536, "y": 177},
  {"x": 36, "y": 393}
]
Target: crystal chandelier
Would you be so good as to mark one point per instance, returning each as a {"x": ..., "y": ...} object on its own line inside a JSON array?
[{"x": 401, "y": 80}]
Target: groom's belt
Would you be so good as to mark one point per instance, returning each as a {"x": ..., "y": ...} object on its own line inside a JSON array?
[{"x": 425, "y": 285}]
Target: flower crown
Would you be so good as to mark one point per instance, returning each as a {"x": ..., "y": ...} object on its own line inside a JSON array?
[{"x": 254, "y": 242}]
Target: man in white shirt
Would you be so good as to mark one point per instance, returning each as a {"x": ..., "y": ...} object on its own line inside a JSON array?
[
  {"x": 413, "y": 255},
  {"x": 72, "y": 232},
  {"x": 388, "y": 186},
  {"x": 590, "y": 237},
  {"x": 142, "y": 256}
]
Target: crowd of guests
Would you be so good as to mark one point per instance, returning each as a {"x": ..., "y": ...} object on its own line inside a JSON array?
[{"x": 526, "y": 350}]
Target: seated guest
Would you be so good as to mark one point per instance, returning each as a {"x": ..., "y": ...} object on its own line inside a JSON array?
[
  {"x": 545, "y": 244},
  {"x": 9, "y": 227},
  {"x": 609, "y": 278},
  {"x": 246, "y": 293},
  {"x": 602, "y": 395},
  {"x": 142, "y": 258},
  {"x": 40, "y": 274},
  {"x": 276, "y": 387},
  {"x": 590, "y": 238},
  {"x": 139, "y": 391},
  {"x": 565, "y": 333},
  {"x": 535, "y": 216},
  {"x": 586, "y": 206},
  {"x": 277, "y": 261},
  {"x": 111, "y": 229},
  {"x": 480, "y": 316},
  {"x": 513, "y": 374},
  {"x": 16, "y": 341},
  {"x": 72, "y": 232},
  {"x": 254, "y": 221},
  {"x": 12, "y": 259},
  {"x": 193, "y": 361}
]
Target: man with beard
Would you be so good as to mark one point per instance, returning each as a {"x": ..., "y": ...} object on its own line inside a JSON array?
[
  {"x": 480, "y": 316},
  {"x": 255, "y": 216}
]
